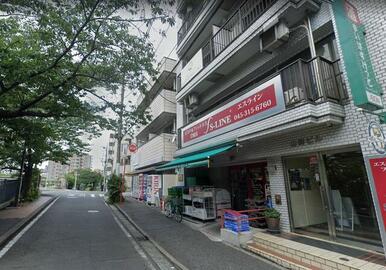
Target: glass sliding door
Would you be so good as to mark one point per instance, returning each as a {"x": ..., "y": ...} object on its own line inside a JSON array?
[
  {"x": 307, "y": 199},
  {"x": 351, "y": 203}
]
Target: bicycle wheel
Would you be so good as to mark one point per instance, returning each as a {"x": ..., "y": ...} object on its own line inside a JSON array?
[
  {"x": 168, "y": 209},
  {"x": 178, "y": 215}
]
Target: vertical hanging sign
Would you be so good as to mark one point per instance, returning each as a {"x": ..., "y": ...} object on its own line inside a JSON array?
[
  {"x": 376, "y": 168},
  {"x": 365, "y": 89}
]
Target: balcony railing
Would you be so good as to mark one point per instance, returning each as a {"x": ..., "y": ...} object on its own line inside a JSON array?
[
  {"x": 307, "y": 81},
  {"x": 315, "y": 80},
  {"x": 159, "y": 149},
  {"x": 240, "y": 21},
  {"x": 189, "y": 20}
]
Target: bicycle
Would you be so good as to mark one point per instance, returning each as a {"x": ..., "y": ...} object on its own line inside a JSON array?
[{"x": 173, "y": 209}]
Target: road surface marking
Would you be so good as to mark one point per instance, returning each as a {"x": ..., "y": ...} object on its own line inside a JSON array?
[
  {"x": 26, "y": 228},
  {"x": 93, "y": 195},
  {"x": 134, "y": 243},
  {"x": 101, "y": 195},
  {"x": 92, "y": 211}
]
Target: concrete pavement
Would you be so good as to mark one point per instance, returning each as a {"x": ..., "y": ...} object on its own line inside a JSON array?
[
  {"x": 190, "y": 247},
  {"x": 77, "y": 232}
]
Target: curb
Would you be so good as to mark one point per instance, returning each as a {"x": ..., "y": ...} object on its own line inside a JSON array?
[
  {"x": 160, "y": 249},
  {"x": 5, "y": 238}
]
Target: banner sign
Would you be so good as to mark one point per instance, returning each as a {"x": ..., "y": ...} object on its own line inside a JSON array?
[
  {"x": 376, "y": 168},
  {"x": 258, "y": 103},
  {"x": 365, "y": 89}
]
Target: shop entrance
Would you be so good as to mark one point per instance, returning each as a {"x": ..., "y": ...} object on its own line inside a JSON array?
[{"x": 330, "y": 196}]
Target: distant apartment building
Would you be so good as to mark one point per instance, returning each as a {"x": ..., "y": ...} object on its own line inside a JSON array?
[
  {"x": 110, "y": 160},
  {"x": 272, "y": 101},
  {"x": 57, "y": 171},
  {"x": 156, "y": 141}
]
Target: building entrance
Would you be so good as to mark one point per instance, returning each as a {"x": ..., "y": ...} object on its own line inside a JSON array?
[{"x": 330, "y": 196}]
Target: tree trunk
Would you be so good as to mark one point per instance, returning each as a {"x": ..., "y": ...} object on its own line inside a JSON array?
[{"x": 27, "y": 174}]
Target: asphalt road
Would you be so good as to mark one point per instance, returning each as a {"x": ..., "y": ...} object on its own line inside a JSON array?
[{"x": 77, "y": 232}]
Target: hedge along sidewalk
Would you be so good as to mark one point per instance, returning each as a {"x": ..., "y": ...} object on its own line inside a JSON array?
[
  {"x": 190, "y": 247},
  {"x": 13, "y": 219}
]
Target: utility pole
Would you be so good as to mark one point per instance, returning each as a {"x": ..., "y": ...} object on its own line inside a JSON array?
[
  {"x": 104, "y": 170},
  {"x": 120, "y": 127},
  {"x": 76, "y": 178}
]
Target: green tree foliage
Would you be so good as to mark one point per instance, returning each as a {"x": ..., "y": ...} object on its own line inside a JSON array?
[
  {"x": 61, "y": 62},
  {"x": 114, "y": 187},
  {"x": 87, "y": 179}
]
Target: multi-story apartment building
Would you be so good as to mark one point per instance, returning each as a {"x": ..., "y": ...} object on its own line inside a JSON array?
[
  {"x": 57, "y": 171},
  {"x": 156, "y": 141},
  {"x": 268, "y": 93}
]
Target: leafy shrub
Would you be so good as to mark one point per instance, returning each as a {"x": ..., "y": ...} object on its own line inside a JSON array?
[
  {"x": 271, "y": 213},
  {"x": 114, "y": 189}
]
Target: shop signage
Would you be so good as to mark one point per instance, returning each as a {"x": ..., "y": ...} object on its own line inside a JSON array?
[
  {"x": 365, "y": 89},
  {"x": 309, "y": 140},
  {"x": 376, "y": 168},
  {"x": 260, "y": 102},
  {"x": 377, "y": 138}
]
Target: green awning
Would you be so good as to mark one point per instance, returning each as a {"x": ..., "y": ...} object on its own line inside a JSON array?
[{"x": 194, "y": 160}]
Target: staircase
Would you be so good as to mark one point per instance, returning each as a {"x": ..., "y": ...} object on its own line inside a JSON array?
[{"x": 294, "y": 255}]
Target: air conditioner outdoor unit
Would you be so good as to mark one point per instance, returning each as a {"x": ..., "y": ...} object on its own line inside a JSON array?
[
  {"x": 274, "y": 37},
  {"x": 192, "y": 101}
]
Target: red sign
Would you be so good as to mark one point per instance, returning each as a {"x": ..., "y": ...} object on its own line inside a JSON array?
[
  {"x": 378, "y": 169},
  {"x": 254, "y": 104},
  {"x": 352, "y": 12},
  {"x": 133, "y": 148}
]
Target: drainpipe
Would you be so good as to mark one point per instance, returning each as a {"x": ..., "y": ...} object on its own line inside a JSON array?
[{"x": 315, "y": 62}]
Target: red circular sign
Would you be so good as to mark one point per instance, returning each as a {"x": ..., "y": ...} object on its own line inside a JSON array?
[{"x": 133, "y": 148}]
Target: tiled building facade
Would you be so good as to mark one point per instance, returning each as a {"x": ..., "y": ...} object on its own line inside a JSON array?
[{"x": 300, "y": 144}]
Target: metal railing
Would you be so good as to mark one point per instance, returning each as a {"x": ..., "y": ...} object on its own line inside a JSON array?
[
  {"x": 236, "y": 24},
  {"x": 315, "y": 80},
  {"x": 189, "y": 20},
  {"x": 8, "y": 191}
]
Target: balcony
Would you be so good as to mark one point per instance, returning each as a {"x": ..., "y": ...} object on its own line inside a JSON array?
[
  {"x": 189, "y": 20},
  {"x": 165, "y": 79},
  {"x": 162, "y": 110},
  {"x": 313, "y": 92},
  {"x": 235, "y": 25},
  {"x": 236, "y": 44},
  {"x": 158, "y": 150}
]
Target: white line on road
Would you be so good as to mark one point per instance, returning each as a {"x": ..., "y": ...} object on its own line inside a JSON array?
[
  {"x": 101, "y": 195},
  {"x": 26, "y": 228},
  {"x": 93, "y": 195},
  {"x": 136, "y": 246}
]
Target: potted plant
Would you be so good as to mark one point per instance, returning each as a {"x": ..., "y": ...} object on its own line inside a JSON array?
[{"x": 272, "y": 218}]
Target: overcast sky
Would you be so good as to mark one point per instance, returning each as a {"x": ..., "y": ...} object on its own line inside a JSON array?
[{"x": 164, "y": 46}]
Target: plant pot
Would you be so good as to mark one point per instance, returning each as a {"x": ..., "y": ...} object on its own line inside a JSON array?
[{"x": 273, "y": 224}]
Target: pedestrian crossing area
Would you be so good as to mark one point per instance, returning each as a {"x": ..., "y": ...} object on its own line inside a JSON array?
[{"x": 73, "y": 195}]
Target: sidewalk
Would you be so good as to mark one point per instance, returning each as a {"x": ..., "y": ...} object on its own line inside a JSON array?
[
  {"x": 190, "y": 247},
  {"x": 13, "y": 218}
]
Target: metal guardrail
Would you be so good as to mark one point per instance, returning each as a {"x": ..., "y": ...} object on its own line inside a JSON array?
[
  {"x": 189, "y": 21},
  {"x": 8, "y": 191},
  {"x": 236, "y": 24},
  {"x": 315, "y": 80}
]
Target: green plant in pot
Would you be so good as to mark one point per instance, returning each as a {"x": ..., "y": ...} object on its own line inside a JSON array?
[{"x": 272, "y": 218}]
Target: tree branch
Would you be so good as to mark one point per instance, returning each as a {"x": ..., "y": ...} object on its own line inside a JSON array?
[{"x": 58, "y": 58}]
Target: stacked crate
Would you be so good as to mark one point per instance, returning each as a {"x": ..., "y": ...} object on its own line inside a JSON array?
[{"x": 235, "y": 221}]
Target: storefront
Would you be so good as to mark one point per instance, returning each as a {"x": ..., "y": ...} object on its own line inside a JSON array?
[{"x": 330, "y": 196}]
